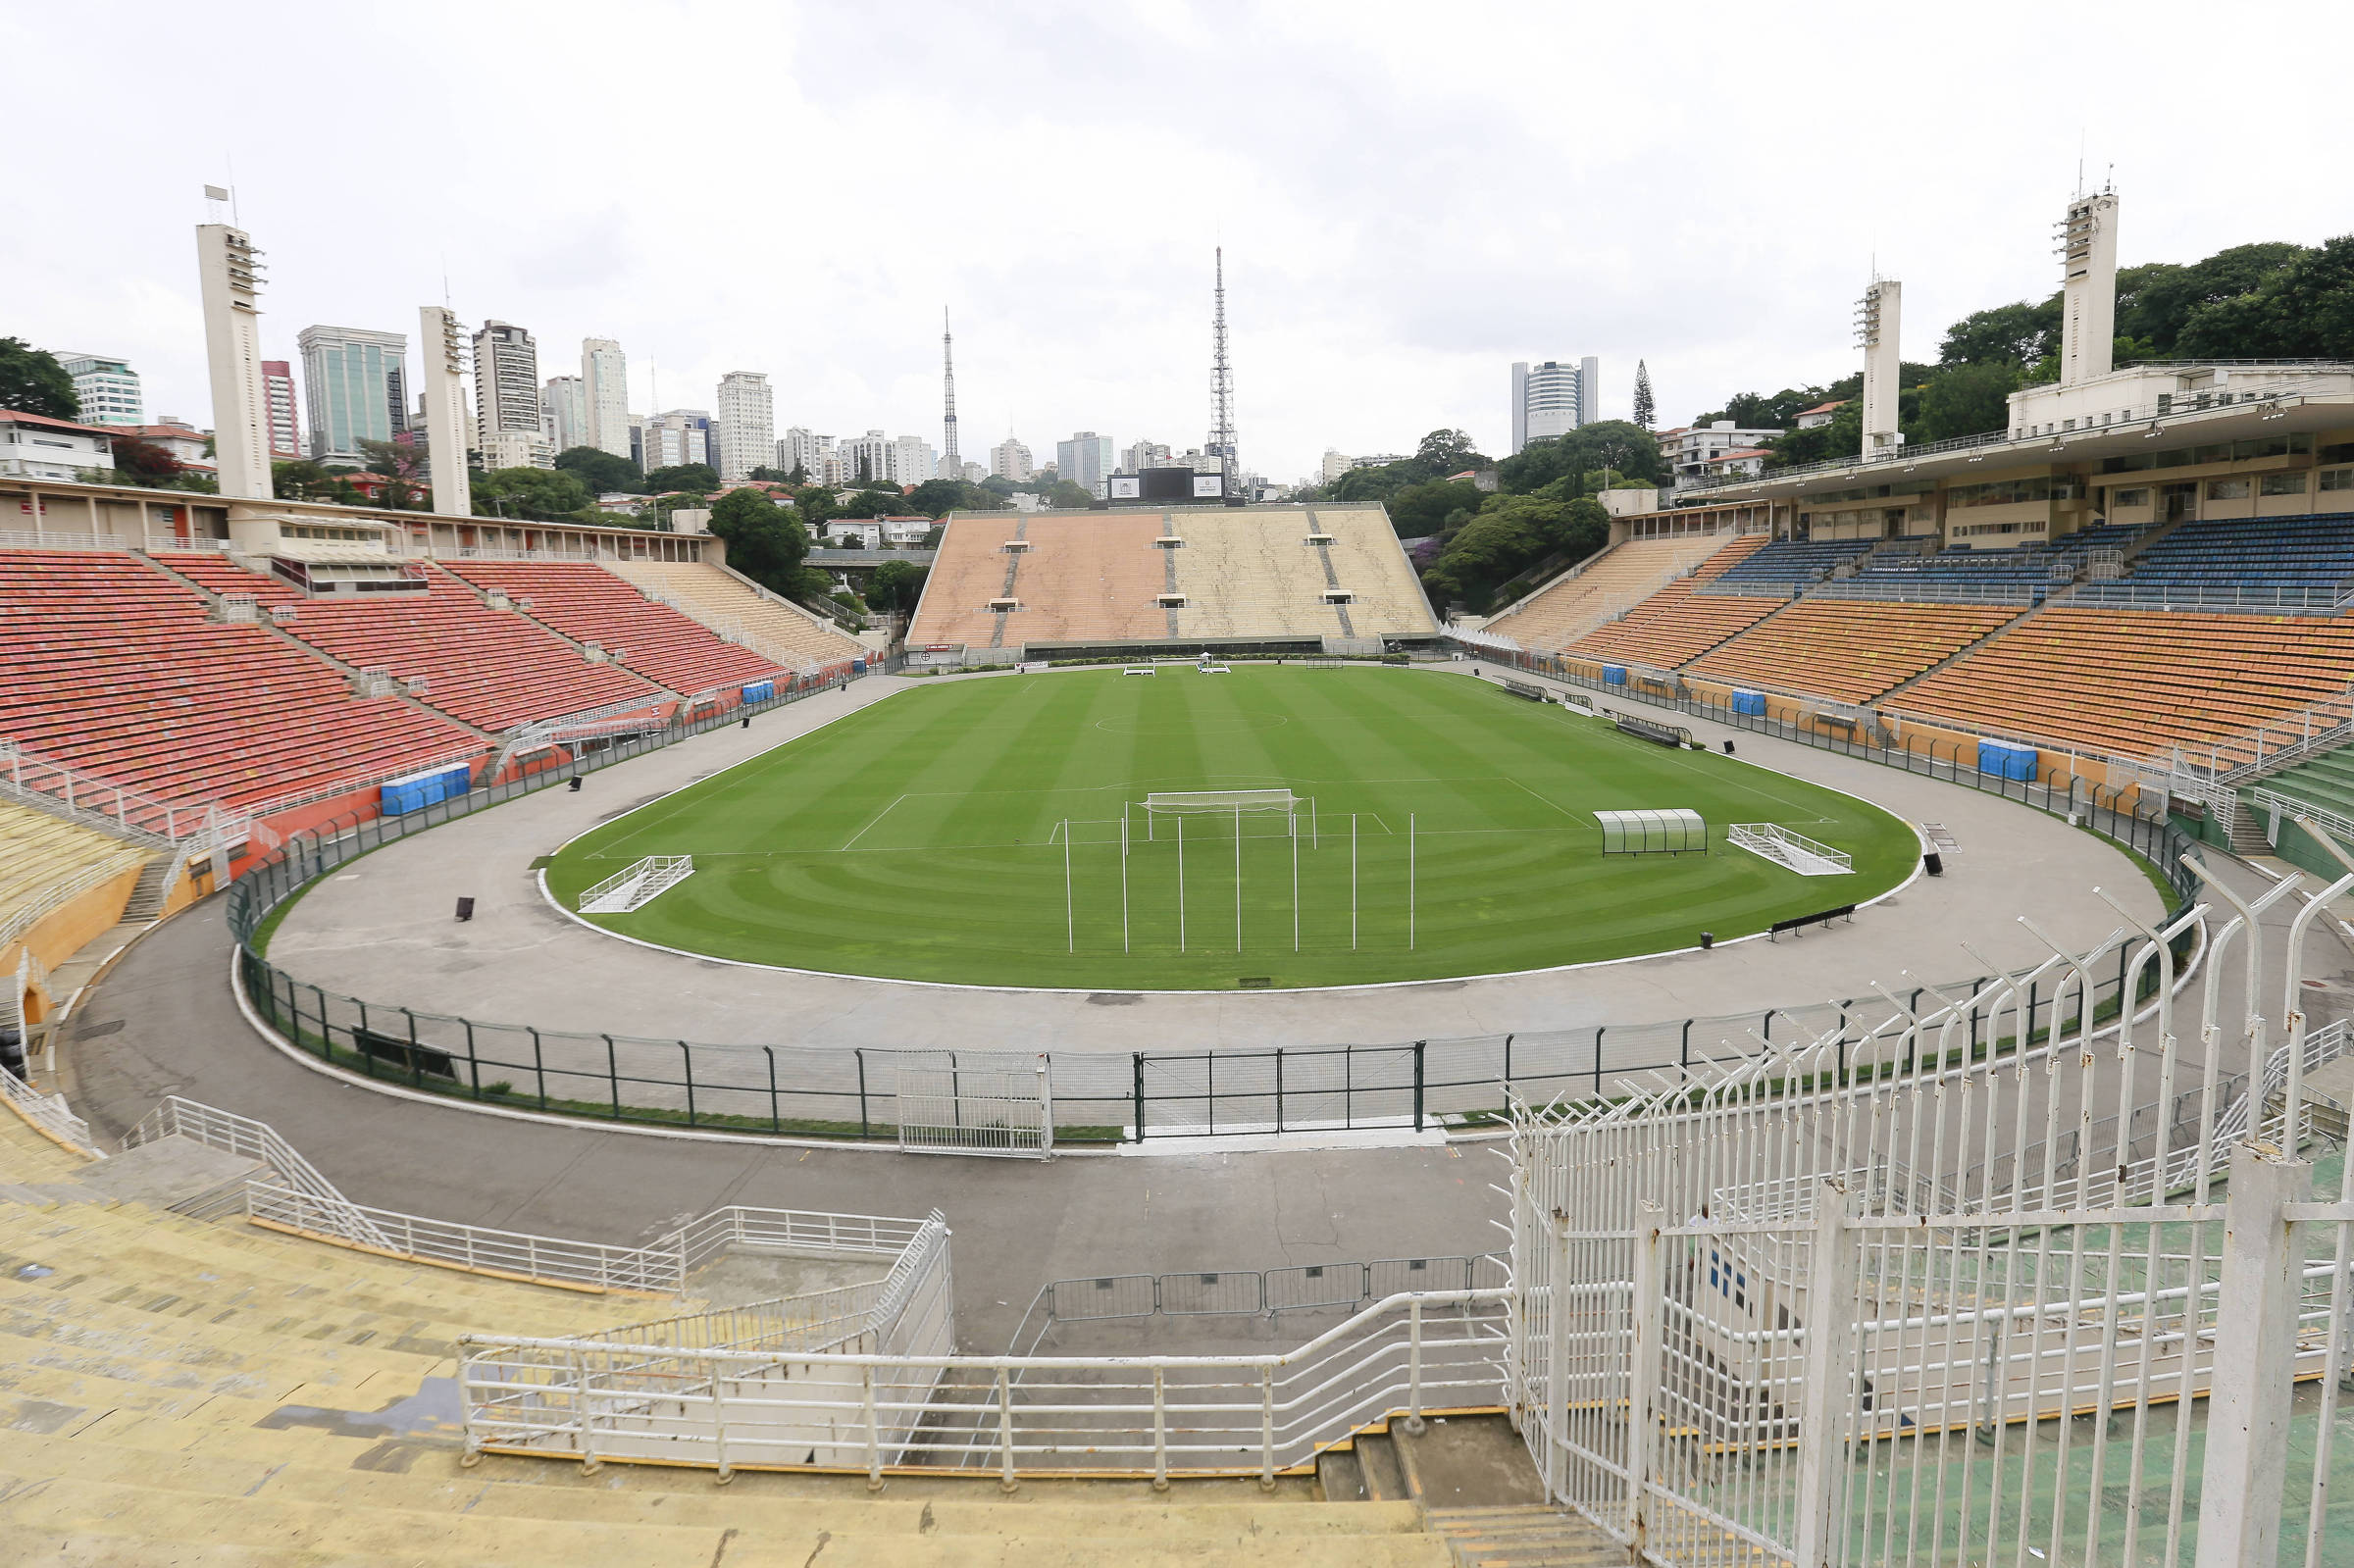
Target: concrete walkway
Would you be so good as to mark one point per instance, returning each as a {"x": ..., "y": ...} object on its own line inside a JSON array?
[{"x": 382, "y": 930}]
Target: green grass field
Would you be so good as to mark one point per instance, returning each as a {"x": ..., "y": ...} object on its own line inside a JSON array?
[{"x": 922, "y": 837}]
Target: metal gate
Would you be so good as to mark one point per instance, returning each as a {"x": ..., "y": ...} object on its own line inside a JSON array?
[
  {"x": 973, "y": 1102},
  {"x": 1293, "y": 1090}
]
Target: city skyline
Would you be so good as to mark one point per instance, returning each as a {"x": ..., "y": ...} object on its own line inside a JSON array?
[{"x": 1382, "y": 329}]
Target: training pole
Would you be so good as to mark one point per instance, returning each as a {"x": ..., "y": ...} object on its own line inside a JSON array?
[
  {"x": 1237, "y": 879},
  {"x": 1409, "y": 882},
  {"x": 1124, "y": 947},
  {"x": 1353, "y": 882},
  {"x": 1180, "y": 885},
  {"x": 1070, "y": 924},
  {"x": 1295, "y": 883},
  {"x": 1314, "y": 843}
]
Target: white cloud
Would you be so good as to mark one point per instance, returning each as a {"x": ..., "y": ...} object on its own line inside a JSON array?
[{"x": 1409, "y": 197}]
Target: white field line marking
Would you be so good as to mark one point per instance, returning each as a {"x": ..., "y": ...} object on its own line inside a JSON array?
[
  {"x": 1563, "y": 810},
  {"x": 879, "y": 816}
]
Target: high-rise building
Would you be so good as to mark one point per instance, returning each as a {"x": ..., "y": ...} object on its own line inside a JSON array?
[
  {"x": 506, "y": 382},
  {"x": 681, "y": 435},
  {"x": 1335, "y": 464},
  {"x": 746, "y": 426},
  {"x": 912, "y": 461},
  {"x": 804, "y": 449},
  {"x": 564, "y": 412},
  {"x": 517, "y": 449},
  {"x": 1084, "y": 459},
  {"x": 284, "y": 414},
  {"x": 605, "y": 384},
  {"x": 108, "y": 387},
  {"x": 355, "y": 388},
  {"x": 1554, "y": 398},
  {"x": 865, "y": 457},
  {"x": 229, "y": 277},
  {"x": 1144, "y": 455},
  {"x": 1009, "y": 459}
]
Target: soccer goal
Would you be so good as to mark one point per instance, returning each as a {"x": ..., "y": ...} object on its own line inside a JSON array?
[{"x": 1271, "y": 812}]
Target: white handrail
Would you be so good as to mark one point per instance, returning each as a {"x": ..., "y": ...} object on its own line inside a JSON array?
[{"x": 47, "y": 1112}]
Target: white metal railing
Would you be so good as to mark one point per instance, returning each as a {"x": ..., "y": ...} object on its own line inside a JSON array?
[
  {"x": 36, "y": 780},
  {"x": 2287, "y": 808},
  {"x": 242, "y": 1136},
  {"x": 637, "y": 884},
  {"x": 27, "y": 539},
  {"x": 1824, "y": 1306},
  {"x": 1017, "y": 1415},
  {"x": 47, "y": 1112}
]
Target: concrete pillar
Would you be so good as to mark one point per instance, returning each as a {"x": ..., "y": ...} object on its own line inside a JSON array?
[
  {"x": 1830, "y": 1330},
  {"x": 2255, "y": 1357}
]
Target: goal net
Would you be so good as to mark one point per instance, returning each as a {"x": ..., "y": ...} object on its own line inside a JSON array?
[{"x": 1234, "y": 805}]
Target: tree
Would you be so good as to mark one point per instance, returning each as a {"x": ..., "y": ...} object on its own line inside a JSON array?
[
  {"x": 1964, "y": 401},
  {"x": 895, "y": 586},
  {"x": 599, "y": 471},
  {"x": 2304, "y": 310},
  {"x": 1612, "y": 446},
  {"x": 1647, "y": 412},
  {"x": 799, "y": 475},
  {"x": 1445, "y": 452},
  {"x": 765, "y": 541},
  {"x": 1375, "y": 483},
  {"x": 769, "y": 474},
  {"x": 403, "y": 463},
  {"x": 873, "y": 503},
  {"x": 533, "y": 494},
  {"x": 1065, "y": 496},
  {"x": 701, "y": 477},
  {"x": 1510, "y": 534},
  {"x": 1421, "y": 510},
  {"x": 816, "y": 505},
  {"x": 1843, "y": 437},
  {"x": 138, "y": 462},
  {"x": 2017, "y": 334},
  {"x": 2154, "y": 303},
  {"x": 940, "y": 497},
  {"x": 33, "y": 381}
]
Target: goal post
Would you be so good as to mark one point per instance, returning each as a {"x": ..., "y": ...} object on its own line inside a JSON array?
[{"x": 1235, "y": 804}]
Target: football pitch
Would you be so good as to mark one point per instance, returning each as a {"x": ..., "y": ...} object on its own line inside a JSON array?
[{"x": 994, "y": 832}]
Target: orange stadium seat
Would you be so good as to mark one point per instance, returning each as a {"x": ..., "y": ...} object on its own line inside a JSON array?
[
  {"x": 589, "y": 604},
  {"x": 494, "y": 667},
  {"x": 1852, "y": 650},
  {"x": 1614, "y": 580},
  {"x": 114, "y": 667}
]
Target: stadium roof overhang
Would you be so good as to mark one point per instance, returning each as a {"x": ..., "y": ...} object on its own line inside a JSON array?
[{"x": 1926, "y": 466}]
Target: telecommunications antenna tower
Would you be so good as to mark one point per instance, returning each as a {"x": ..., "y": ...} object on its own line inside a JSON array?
[
  {"x": 1221, "y": 384},
  {"x": 948, "y": 363}
]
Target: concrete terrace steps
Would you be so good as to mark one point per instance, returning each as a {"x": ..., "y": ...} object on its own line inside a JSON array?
[{"x": 2326, "y": 780}]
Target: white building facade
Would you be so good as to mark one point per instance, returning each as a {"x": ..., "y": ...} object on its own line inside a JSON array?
[
  {"x": 1085, "y": 459},
  {"x": 108, "y": 387},
  {"x": 35, "y": 446},
  {"x": 679, "y": 436},
  {"x": 1554, "y": 398},
  {"x": 912, "y": 461},
  {"x": 865, "y": 457},
  {"x": 1696, "y": 454},
  {"x": 564, "y": 413},
  {"x": 747, "y": 425},
  {"x": 1009, "y": 459},
  {"x": 605, "y": 387},
  {"x": 804, "y": 448}
]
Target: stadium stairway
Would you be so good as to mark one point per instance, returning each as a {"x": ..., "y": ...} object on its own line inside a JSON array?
[{"x": 208, "y": 1394}]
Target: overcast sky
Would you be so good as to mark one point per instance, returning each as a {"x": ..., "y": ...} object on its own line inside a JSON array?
[{"x": 1411, "y": 197}]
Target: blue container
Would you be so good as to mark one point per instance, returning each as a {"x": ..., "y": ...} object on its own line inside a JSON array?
[
  {"x": 1613, "y": 674},
  {"x": 759, "y": 691},
  {"x": 2005, "y": 761},
  {"x": 397, "y": 797},
  {"x": 857, "y": 667},
  {"x": 1750, "y": 702}
]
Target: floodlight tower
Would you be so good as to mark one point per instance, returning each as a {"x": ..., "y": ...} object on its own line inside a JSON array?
[
  {"x": 229, "y": 276},
  {"x": 1221, "y": 386},
  {"x": 443, "y": 346},
  {"x": 1878, "y": 319},
  {"x": 950, "y": 460},
  {"x": 2088, "y": 291}
]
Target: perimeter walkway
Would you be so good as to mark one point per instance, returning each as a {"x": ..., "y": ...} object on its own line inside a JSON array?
[{"x": 382, "y": 930}]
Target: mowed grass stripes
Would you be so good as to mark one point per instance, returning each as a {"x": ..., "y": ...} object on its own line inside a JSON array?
[{"x": 923, "y": 838}]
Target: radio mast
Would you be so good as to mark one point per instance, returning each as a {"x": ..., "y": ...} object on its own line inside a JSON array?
[
  {"x": 947, "y": 365},
  {"x": 1221, "y": 386}
]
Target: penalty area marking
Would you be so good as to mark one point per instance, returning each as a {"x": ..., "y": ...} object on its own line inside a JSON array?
[{"x": 879, "y": 816}]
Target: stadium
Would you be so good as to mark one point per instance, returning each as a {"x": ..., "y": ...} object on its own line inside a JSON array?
[{"x": 1817, "y": 1031}]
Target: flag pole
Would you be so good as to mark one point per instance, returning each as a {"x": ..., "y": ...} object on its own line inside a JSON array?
[{"x": 1237, "y": 879}]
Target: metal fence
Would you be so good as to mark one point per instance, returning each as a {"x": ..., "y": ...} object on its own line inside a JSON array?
[
  {"x": 1080, "y": 1097},
  {"x": 1252, "y": 1293},
  {"x": 1943, "y": 1312}
]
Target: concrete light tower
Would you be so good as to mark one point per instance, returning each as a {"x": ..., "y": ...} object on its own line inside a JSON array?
[
  {"x": 1878, "y": 320},
  {"x": 228, "y": 273},
  {"x": 443, "y": 347},
  {"x": 2088, "y": 292}
]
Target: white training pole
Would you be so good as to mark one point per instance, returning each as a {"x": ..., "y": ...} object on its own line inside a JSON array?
[
  {"x": 1181, "y": 883},
  {"x": 1409, "y": 882},
  {"x": 1070, "y": 924},
  {"x": 1314, "y": 843},
  {"x": 1237, "y": 879},
  {"x": 1294, "y": 822},
  {"x": 1124, "y": 947},
  {"x": 1353, "y": 882}
]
